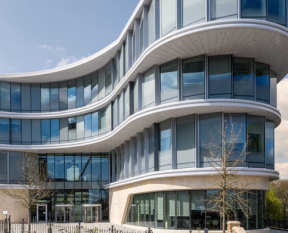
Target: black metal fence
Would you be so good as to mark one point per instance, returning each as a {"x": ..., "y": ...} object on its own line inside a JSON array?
[
  {"x": 22, "y": 227},
  {"x": 277, "y": 224}
]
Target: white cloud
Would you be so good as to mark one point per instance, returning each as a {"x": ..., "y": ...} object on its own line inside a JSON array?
[
  {"x": 68, "y": 60},
  {"x": 51, "y": 48},
  {"x": 48, "y": 64},
  {"x": 283, "y": 170}
]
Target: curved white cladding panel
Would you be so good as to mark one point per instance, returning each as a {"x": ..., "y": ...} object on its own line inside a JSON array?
[
  {"x": 145, "y": 118},
  {"x": 265, "y": 41}
]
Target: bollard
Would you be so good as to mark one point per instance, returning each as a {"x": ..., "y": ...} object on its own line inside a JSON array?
[{"x": 9, "y": 224}]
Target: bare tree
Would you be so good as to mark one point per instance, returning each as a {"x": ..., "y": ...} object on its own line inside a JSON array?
[
  {"x": 226, "y": 153},
  {"x": 34, "y": 182}
]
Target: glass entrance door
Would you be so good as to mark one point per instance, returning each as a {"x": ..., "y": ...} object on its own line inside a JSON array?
[
  {"x": 41, "y": 213},
  {"x": 64, "y": 213},
  {"x": 92, "y": 213}
]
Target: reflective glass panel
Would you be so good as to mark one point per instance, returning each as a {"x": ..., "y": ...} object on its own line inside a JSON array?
[
  {"x": 223, "y": 9},
  {"x": 108, "y": 78},
  {"x": 16, "y": 131},
  {"x": 55, "y": 131},
  {"x": 165, "y": 153},
  {"x": 255, "y": 9},
  {"x": 269, "y": 144},
  {"x": 15, "y": 165},
  {"x": 94, "y": 88},
  {"x": 88, "y": 125},
  {"x": 63, "y": 95},
  {"x": 45, "y": 97},
  {"x": 45, "y": 131},
  {"x": 5, "y": 96},
  {"x": 193, "y": 12},
  {"x": 276, "y": 11},
  {"x": 70, "y": 169},
  {"x": 25, "y": 97},
  {"x": 35, "y": 97},
  {"x": 79, "y": 92},
  {"x": 4, "y": 131},
  {"x": 87, "y": 90},
  {"x": 168, "y": 16},
  {"x": 72, "y": 129},
  {"x": 148, "y": 88},
  {"x": 262, "y": 82},
  {"x": 183, "y": 198},
  {"x": 170, "y": 210},
  {"x": 3, "y": 167},
  {"x": 71, "y": 94},
  {"x": 15, "y": 97},
  {"x": 95, "y": 124}
]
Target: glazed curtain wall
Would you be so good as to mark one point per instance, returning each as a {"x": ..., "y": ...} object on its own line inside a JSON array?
[
  {"x": 185, "y": 210},
  {"x": 155, "y": 149}
]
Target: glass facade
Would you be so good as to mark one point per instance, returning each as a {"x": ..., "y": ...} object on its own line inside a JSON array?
[
  {"x": 224, "y": 9},
  {"x": 184, "y": 210},
  {"x": 193, "y": 12},
  {"x": 168, "y": 16}
]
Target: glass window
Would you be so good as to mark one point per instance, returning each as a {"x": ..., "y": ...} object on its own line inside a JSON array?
[
  {"x": 197, "y": 208},
  {"x": 256, "y": 151},
  {"x": 50, "y": 166},
  {"x": 269, "y": 144},
  {"x": 273, "y": 89},
  {"x": 54, "y": 95},
  {"x": 5, "y": 96},
  {"x": 101, "y": 83},
  {"x": 26, "y": 132},
  {"x": 133, "y": 48},
  {"x": 25, "y": 97},
  {"x": 115, "y": 113},
  {"x": 193, "y": 78},
  {"x": 88, "y": 126},
  {"x": 63, "y": 130},
  {"x": 219, "y": 80},
  {"x": 94, "y": 89},
  {"x": 15, "y": 164},
  {"x": 235, "y": 137},
  {"x": 16, "y": 131},
  {"x": 95, "y": 124},
  {"x": 80, "y": 128},
  {"x": 4, "y": 131},
  {"x": 86, "y": 168},
  {"x": 148, "y": 88},
  {"x": 143, "y": 153},
  {"x": 77, "y": 169},
  {"x": 36, "y": 132},
  {"x": 45, "y": 131},
  {"x": 243, "y": 72},
  {"x": 15, "y": 97},
  {"x": 223, "y": 9},
  {"x": 209, "y": 126},
  {"x": 72, "y": 121},
  {"x": 151, "y": 149},
  {"x": 59, "y": 168},
  {"x": 165, "y": 150},
  {"x": 108, "y": 119},
  {"x": 71, "y": 94},
  {"x": 115, "y": 72},
  {"x": 255, "y": 9},
  {"x": 63, "y": 95},
  {"x": 169, "y": 82},
  {"x": 170, "y": 210},
  {"x": 45, "y": 97},
  {"x": 141, "y": 37},
  {"x": 193, "y": 12},
  {"x": 70, "y": 169},
  {"x": 102, "y": 122},
  {"x": 104, "y": 167},
  {"x": 127, "y": 102},
  {"x": 3, "y": 167},
  {"x": 159, "y": 210},
  {"x": 262, "y": 83},
  {"x": 151, "y": 24},
  {"x": 96, "y": 167},
  {"x": 183, "y": 199},
  {"x": 168, "y": 16},
  {"x": 79, "y": 92},
  {"x": 87, "y": 89},
  {"x": 55, "y": 131},
  {"x": 185, "y": 142},
  {"x": 276, "y": 11},
  {"x": 35, "y": 97},
  {"x": 108, "y": 78},
  {"x": 135, "y": 95},
  {"x": 121, "y": 107}
]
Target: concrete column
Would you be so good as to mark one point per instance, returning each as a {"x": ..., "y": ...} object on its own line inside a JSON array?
[{"x": 179, "y": 14}]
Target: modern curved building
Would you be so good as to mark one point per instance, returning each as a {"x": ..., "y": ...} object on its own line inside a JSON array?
[{"x": 122, "y": 131}]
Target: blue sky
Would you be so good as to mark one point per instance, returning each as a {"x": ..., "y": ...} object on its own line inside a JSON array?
[{"x": 38, "y": 34}]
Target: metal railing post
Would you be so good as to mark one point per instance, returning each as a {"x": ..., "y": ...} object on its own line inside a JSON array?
[
  {"x": 9, "y": 223},
  {"x": 23, "y": 224}
]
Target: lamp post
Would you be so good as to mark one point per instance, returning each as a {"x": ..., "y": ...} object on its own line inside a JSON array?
[{"x": 5, "y": 225}]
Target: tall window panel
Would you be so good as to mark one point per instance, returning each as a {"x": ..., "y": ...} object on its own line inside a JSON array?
[
  {"x": 170, "y": 210},
  {"x": 169, "y": 82},
  {"x": 262, "y": 83},
  {"x": 223, "y": 9},
  {"x": 101, "y": 83},
  {"x": 168, "y": 16},
  {"x": 15, "y": 161},
  {"x": 165, "y": 150},
  {"x": 151, "y": 149},
  {"x": 256, "y": 137},
  {"x": 3, "y": 167},
  {"x": 193, "y": 12},
  {"x": 86, "y": 170},
  {"x": 94, "y": 87},
  {"x": 148, "y": 88},
  {"x": 15, "y": 97},
  {"x": 243, "y": 76},
  {"x": 269, "y": 144},
  {"x": 104, "y": 168},
  {"x": 72, "y": 133},
  {"x": 71, "y": 94},
  {"x": 95, "y": 125},
  {"x": 45, "y": 131},
  {"x": 136, "y": 95},
  {"x": 127, "y": 102},
  {"x": 16, "y": 131},
  {"x": 26, "y": 132},
  {"x": 4, "y": 131},
  {"x": 63, "y": 95},
  {"x": 54, "y": 97},
  {"x": 35, "y": 97},
  {"x": 79, "y": 92},
  {"x": 183, "y": 199},
  {"x": 159, "y": 210},
  {"x": 115, "y": 71},
  {"x": 276, "y": 11},
  {"x": 141, "y": 29},
  {"x": 108, "y": 78},
  {"x": 64, "y": 130},
  {"x": 193, "y": 78},
  {"x": 209, "y": 126},
  {"x": 55, "y": 131},
  {"x": 36, "y": 132},
  {"x": 88, "y": 126},
  {"x": 5, "y": 96},
  {"x": 25, "y": 97},
  {"x": 115, "y": 113},
  {"x": 142, "y": 153},
  {"x": 102, "y": 122},
  {"x": 151, "y": 23},
  {"x": 219, "y": 79},
  {"x": 45, "y": 97},
  {"x": 235, "y": 137},
  {"x": 87, "y": 89},
  {"x": 185, "y": 142},
  {"x": 59, "y": 168},
  {"x": 108, "y": 119},
  {"x": 121, "y": 107},
  {"x": 80, "y": 128},
  {"x": 121, "y": 63},
  {"x": 255, "y": 9},
  {"x": 273, "y": 89}
]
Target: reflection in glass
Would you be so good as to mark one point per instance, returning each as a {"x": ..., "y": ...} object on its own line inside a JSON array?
[
  {"x": 35, "y": 97},
  {"x": 168, "y": 16},
  {"x": 3, "y": 167},
  {"x": 276, "y": 11},
  {"x": 269, "y": 144},
  {"x": 88, "y": 125},
  {"x": 79, "y": 92},
  {"x": 193, "y": 12},
  {"x": 165, "y": 152},
  {"x": 59, "y": 168},
  {"x": 95, "y": 124},
  {"x": 108, "y": 78},
  {"x": 169, "y": 82},
  {"x": 15, "y": 162},
  {"x": 255, "y": 9},
  {"x": 4, "y": 131},
  {"x": 170, "y": 210},
  {"x": 55, "y": 131},
  {"x": 262, "y": 83},
  {"x": 25, "y": 97},
  {"x": 94, "y": 88},
  {"x": 243, "y": 72},
  {"x": 193, "y": 78},
  {"x": 16, "y": 131},
  {"x": 159, "y": 210},
  {"x": 219, "y": 79},
  {"x": 70, "y": 169},
  {"x": 102, "y": 121},
  {"x": 151, "y": 149},
  {"x": 63, "y": 95},
  {"x": 45, "y": 131},
  {"x": 87, "y": 90},
  {"x": 148, "y": 88},
  {"x": 45, "y": 97},
  {"x": 224, "y": 9},
  {"x": 15, "y": 97},
  {"x": 197, "y": 208},
  {"x": 71, "y": 94},
  {"x": 54, "y": 95},
  {"x": 96, "y": 167},
  {"x": 72, "y": 129},
  {"x": 5, "y": 96}
]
